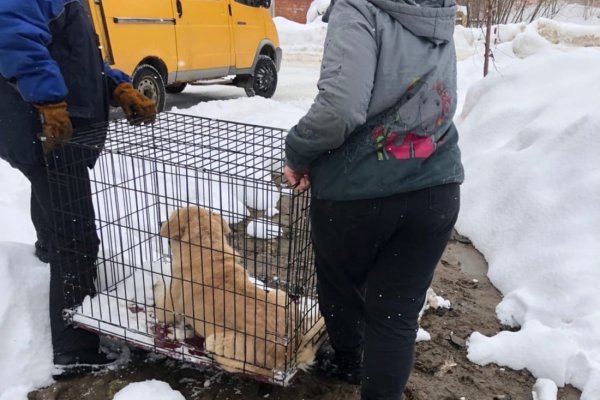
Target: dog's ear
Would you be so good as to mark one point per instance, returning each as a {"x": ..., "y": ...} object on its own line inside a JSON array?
[{"x": 175, "y": 227}]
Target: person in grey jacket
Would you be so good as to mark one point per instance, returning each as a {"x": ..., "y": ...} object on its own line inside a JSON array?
[{"x": 379, "y": 150}]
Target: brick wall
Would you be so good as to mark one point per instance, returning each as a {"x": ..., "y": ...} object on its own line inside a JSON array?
[{"x": 294, "y": 10}]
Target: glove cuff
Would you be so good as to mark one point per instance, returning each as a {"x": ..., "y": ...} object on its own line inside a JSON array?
[
  {"x": 50, "y": 106},
  {"x": 121, "y": 89},
  {"x": 48, "y": 110}
]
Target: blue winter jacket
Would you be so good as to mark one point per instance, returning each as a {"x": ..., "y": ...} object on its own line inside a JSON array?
[
  {"x": 49, "y": 53},
  {"x": 38, "y": 42}
]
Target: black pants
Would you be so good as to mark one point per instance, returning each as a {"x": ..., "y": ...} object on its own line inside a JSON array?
[
  {"x": 62, "y": 213},
  {"x": 63, "y": 216},
  {"x": 375, "y": 260}
]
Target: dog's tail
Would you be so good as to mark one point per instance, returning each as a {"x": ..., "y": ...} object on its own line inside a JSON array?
[{"x": 305, "y": 358}]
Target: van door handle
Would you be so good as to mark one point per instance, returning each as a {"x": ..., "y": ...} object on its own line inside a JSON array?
[
  {"x": 241, "y": 22},
  {"x": 179, "y": 8}
]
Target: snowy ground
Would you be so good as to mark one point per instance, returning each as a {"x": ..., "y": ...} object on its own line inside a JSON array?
[{"x": 530, "y": 135}]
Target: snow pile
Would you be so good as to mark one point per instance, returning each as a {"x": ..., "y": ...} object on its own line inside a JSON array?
[
  {"x": 471, "y": 41},
  {"x": 148, "y": 390},
  {"x": 546, "y": 34},
  {"x": 530, "y": 140},
  {"x": 585, "y": 15},
  {"x": 260, "y": 195},
  {"x": 465, "y": 41},
  {"x": 14, "y": 198},
  {"x": 433, "y": 301},
  {"x": 506, "y": 32},
  {"x": 304, "y": 41},
  {"x": 544, "y": 389},
  {"x": 263, "y": 229},
  {"x": 540, "y": 35},
  {"x": 25, "y": 349},
  {"x": 316, "y": 10},
  {"x": 254, "y": 110}
]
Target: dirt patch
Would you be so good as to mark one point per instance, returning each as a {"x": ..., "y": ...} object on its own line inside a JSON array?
[{"x": 442, "y": 371}]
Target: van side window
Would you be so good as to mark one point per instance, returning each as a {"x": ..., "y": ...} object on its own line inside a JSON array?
[{"x": 251, "y": 3}]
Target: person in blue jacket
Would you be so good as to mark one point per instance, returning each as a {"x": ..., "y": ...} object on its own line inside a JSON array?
[{"x": 53, "y": 86}]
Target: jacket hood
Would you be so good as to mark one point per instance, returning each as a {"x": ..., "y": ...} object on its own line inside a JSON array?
[{"x": 431, "y": 19}]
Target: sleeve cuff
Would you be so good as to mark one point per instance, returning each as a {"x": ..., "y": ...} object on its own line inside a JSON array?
[{"x": 293, "y": 158}]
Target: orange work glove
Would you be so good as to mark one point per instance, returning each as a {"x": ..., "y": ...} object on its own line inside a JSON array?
[
  {"x": 137, "y": 107},
  {"x": 56, "y": 125}
]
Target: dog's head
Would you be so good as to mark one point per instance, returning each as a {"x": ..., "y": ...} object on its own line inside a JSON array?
[{"x": 196, "y": 225}]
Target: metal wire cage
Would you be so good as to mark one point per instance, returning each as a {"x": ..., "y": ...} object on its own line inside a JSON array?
[{"x": 182, "y": 238}]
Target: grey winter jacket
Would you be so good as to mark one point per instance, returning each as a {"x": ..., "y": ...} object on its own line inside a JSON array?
[{"x": 382, "y": 121}]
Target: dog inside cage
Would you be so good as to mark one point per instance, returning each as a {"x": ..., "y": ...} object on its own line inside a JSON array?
[{"x": 195, "y": 246}]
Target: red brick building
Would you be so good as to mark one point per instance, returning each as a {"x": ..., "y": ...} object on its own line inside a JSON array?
[{"x": 294, "y": 10}]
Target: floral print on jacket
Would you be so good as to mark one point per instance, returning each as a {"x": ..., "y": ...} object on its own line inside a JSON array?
[{"x": 410, "y": 133}]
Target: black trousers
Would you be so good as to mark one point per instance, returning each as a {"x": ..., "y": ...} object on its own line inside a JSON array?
[
  {"x": 62, "y": 213},
  {"x": 375, "y": 260}
]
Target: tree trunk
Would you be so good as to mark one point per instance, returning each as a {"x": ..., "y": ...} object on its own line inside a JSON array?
[{"x": 488, "y": 37}]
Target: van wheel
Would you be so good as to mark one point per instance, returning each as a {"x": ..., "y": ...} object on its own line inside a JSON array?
[
  {"x": 148, "y": 81},
  {"x": 175, "y": 88},
  {"x": 264, "y": 80}
]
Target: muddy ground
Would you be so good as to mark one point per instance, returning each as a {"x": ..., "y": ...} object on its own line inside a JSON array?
[{"x": 442, "y": 371}]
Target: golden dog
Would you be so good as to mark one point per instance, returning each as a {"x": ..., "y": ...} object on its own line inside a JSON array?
[{"x": 242, "y": 324}]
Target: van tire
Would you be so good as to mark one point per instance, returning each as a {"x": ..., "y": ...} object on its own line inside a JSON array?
[
  {"x": 264, "y": 78},
  {"x": 175, "y": 88},
  {"x": 148, "y": 81}
]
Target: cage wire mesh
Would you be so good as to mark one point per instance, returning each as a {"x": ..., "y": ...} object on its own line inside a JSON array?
[{"x": 164, "y": 273}]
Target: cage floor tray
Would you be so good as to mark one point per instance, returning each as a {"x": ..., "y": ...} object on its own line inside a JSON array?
[{"x": 126, "y": 312}]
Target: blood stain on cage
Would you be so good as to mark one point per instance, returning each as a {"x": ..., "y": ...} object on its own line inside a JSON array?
[{"x": 197, "y": 345}]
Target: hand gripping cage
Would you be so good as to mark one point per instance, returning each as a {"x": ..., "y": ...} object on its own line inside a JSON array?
[{"x": 146, "y": 251}]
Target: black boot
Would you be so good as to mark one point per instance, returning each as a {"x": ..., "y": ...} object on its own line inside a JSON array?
[{"x": 345, "y": 366}]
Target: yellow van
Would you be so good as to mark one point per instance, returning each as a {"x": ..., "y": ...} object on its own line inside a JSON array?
[{"x": 166, "y": 44}]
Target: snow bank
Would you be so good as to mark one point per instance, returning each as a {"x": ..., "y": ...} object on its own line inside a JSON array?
[
  {"x": 579, "y": 14},
  {"x": 148, "y": 390},
  {"x": 507, "y": 32},
  {"x": 301, "y": 41},
  {"x": 25, "y": 349},
  {"x": 530, "y": 140},
  {"x": 14, "y": 196},
  {"x": 527, "y": 39},
  {"x": 465, "y": 41},
  {"x": 263, "y": 229},
  {"x": 254, "y": 110},
  {"x": 316, "y": 10},
  {"x": 546, "y": 34},
  {"x": 544, "y": 389}
]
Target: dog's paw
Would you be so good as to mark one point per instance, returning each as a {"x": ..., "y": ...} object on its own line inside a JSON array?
[
  {"x": 226, "y": 344},
  {"x": 181, "y": 332}
]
